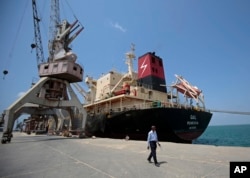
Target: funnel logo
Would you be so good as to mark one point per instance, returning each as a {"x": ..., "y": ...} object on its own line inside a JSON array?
[{"x": 143, "y": 67}]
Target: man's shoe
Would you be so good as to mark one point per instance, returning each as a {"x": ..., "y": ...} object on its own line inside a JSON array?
[
  {"x": 149, "y": 161},
  {"x": 157, "y": 164}
]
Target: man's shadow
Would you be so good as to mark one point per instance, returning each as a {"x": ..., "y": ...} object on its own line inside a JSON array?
[{"x": 161, "y": 162}]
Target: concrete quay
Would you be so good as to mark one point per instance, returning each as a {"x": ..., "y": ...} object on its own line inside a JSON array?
[{"x": 40, "y": 156}]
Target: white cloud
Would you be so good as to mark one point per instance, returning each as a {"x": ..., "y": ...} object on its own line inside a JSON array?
[
  {"x": 20, "y": 94},
  {"x": 118, "y": 26}
]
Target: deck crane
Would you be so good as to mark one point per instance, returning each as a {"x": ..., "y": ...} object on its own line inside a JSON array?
[
  {"x": 38, "y": 39},
  {"x": 53, "y": 91}
]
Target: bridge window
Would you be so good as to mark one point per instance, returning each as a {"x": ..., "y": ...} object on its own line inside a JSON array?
[
  {"x": 160, "y": 63},
  {"x": 153, "y": 60}
]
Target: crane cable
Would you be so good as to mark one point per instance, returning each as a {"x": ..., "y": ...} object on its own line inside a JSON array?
[
  {"x": 230, "y": 112},
  {"x": 73, "y": 13},
  {"x": 5, "y": 72}
]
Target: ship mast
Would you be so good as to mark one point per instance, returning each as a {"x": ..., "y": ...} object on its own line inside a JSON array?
[{"x": 130, "y": 56}]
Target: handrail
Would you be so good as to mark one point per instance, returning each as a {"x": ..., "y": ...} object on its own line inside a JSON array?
[{"x": 149, "y": 105}]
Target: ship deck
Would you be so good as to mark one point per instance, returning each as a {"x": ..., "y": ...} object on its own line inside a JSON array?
[{"x": 56, "y": 156}]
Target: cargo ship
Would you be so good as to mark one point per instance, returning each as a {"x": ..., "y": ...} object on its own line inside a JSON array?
[{"x": 126, "y": 105}]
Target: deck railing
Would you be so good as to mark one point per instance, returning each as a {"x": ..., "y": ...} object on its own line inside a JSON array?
[{"x": 155, "y": 104}]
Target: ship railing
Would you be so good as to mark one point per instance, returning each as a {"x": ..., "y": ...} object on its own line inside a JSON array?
[
  {"x": 182, "y": 100},
  {"x": 153, "y": 104}
]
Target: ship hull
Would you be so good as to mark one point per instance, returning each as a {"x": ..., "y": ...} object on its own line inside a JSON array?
[{"x": 173, "y": 124}]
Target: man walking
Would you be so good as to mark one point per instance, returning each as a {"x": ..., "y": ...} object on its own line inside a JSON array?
[{"x": 152, "y": 143}]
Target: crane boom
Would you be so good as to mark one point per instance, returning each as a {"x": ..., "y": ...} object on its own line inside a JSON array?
[
  {"x": 54, "y": 23},
  {"x": 38, "y": 38},
  {"x": 61, "y": 34}
]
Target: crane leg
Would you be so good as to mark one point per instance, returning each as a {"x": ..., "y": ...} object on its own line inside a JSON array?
[{"x": 37, "y": 95}]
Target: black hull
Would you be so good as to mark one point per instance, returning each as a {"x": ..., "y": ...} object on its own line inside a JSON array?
[{"x": 173, "y": 124}]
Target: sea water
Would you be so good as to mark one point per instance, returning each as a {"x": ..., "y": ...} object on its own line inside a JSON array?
[{"x": 229, "y": 135}]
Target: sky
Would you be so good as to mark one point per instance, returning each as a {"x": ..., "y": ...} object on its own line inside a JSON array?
[{"x": 207, "y": 42}]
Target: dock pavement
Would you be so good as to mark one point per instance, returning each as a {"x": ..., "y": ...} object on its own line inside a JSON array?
[{"x": 42, "y": 156}]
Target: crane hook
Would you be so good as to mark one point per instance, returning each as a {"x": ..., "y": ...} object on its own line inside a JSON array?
[
  {"x": 5, "y": 72},
  {"x": 33, "y": 45}
]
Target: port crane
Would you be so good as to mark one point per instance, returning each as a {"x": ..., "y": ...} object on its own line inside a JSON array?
[
  {"x": 38, "y": 39},
  {"x": 53, "y": 91}
]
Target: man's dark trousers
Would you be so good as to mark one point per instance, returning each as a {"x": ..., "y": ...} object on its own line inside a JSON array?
[{"x": 153, "y": 147}]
